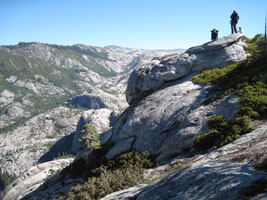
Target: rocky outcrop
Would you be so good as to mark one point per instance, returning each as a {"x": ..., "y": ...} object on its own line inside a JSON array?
[
  {"x": 167, "y": 121},
  {"x": 47, "y": 75},
  {"x": 167, "y": 110},
  {"x": 97, "y": 98},
  {"x": 6, "y": 97},
  {"x": 33, "y": 178},
  {"x": 219, "y": 53},
  {"x": 61, "y": 148},
  {"x": 98, "y": 118},
  {"x": 217, "y": 175},
  {"x": 22, "y": 147},
  {"x": 125, "y": 194},
  {"x": 220, "y": 174}
]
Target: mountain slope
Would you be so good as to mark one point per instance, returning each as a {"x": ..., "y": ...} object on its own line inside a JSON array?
[
  {"x": 184, "y": 118},
  {"x": 35, "y": 77}
]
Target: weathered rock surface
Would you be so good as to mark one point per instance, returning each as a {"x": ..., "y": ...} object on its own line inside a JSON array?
[
  {"x": 125, "y": 194},
  {"x": 167, "y": 110},
  {"x": 6, "y": 97},
  {"x": 225, "y": 51},
  {"x": 99, "y": 118},
  {"x": 33, "y": 178},
  {"x": 62, "y": 147},
  {"x": 96, "y": 99},
  {"x": 23, "y": 147},
  {"x": 69, "y": 71},
  {"x": 220, "y": 174},
  {"x": 166, "y": 122}
]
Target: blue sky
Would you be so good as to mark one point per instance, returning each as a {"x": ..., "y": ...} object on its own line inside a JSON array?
[{"x": 146, "y": 24}]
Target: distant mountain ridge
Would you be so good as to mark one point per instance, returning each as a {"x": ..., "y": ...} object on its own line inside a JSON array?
[
  {"x": 161, "y": 50},
  {"x": 35, "y": 76},
  {"x": 41, "y": 85}
]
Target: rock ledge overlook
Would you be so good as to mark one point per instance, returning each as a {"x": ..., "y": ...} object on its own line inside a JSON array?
[{"x": 227, "y": 50}]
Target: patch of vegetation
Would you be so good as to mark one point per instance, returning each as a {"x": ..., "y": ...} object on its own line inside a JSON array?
[
  {"x": 223, "y": 131},
  {"x": 91, "y": 138},
  {"x": 6, "y": 178},
  {"x": 239, "y": 157},
  {"x": 258, "y": 187},
  {"x": 247, "y": 80},
  {"x": 262, "y": 165},
  {"x": 123, "y": 171},
  {"x": 169, "y": 169}
]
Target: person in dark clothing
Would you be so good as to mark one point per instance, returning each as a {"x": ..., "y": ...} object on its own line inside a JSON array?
[
  {"x": 214, "y": 34},
  {"x": 234, "y": 20}
]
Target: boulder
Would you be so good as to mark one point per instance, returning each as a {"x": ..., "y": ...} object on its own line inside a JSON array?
[
  {"x": 33, "y": 178},
  {"x": 6, "y": 97},
  {"x": 16, "y": 110},
  {"x": 99, "y": 118},
  {"x": 166, "y": 122},
  {"x": 225, "y": 51},
  {"x": 96, "y": 99}
]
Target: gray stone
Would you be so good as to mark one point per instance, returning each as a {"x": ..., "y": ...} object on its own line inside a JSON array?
[
  {"x": 22, "y": 147},
  {"x": 216, "y": 175},
  {"x": 6, "y": 97},
  {"x": 193, "y": 124},
  {"x": 104, "y": 137},
  {"x": 120, "y": 147},
  {"x": 96, "y": 99},
  {"x": 166, "y": 122},
  {"x": 125, "y": 194},
  {"x": 225, "y": 51},
  {"x": 16, "y": 110},
  {"x": 33, "y": 178},
  {"x": 99, "y": 118},
  {"x": 153, "y": 117}
]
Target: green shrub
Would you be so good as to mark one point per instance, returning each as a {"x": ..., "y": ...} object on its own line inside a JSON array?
[
  {"x": 6, "y": 178},
  {"x": 91, "y": 138},
  {"x": 121, "y": 172},
  {"x": 262, "y": 166},
  {"x": 245, "y": 79},
  {"x": 258, "y": 187},
  {"x": 223, "y": 131}
]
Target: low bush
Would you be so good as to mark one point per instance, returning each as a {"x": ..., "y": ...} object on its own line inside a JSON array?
[
  {"x": 223, "y": 131},
  {"x": 262, "y": 165},
  {"x": 258, "y": 187},
  {"x": 121, "y": 172},
  {"x": 245, "y": 79},
  {"x": 6, "y": 178}
]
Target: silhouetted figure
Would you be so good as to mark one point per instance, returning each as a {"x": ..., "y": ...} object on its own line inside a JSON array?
[
  {"x": 234, "y": 20},
  {"x": 240, "y": 30},
  {"x": 214, "y": 34}
]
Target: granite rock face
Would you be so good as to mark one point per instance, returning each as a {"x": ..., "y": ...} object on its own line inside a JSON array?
[
  {"x": 166, "y": 122},
  {"x": 98, "y": 118},
  {"x": 33, "y": 178},
  {"x": 22, "y": 147},
  {"x": 225, "y": 51},
  {"x": 167, "y": 110},
  {"x": 216, "y": 175},
  {"x": 97, "y": 98},
  {"x": 219, "y": 174}
]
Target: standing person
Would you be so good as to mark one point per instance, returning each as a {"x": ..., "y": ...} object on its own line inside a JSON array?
[
  {"x": 234, "y": 20},
  {"x": 214, "y": 34}
]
